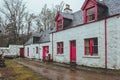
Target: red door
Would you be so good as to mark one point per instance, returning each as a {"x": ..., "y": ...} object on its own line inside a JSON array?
[
  {"x": 73, "y": 51},
  {"x": 21, "y": 52},
  {"x": 45, "y": 52}
]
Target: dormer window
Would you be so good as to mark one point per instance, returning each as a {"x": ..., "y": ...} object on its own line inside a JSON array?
[
  {"x": 90, "y": 14},
  {"x": 90, "y": 9},
  {"x": 63, "y": 20},
  {"x": 60, "y": 26}
]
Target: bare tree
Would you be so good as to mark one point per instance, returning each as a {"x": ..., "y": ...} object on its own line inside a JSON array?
[
  {"x": 45, "y": 20},
  {"x": 29, "y": 18},
  {"x": 14, "y": 13}
]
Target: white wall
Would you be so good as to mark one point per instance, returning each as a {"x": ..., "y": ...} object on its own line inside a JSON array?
[
  {"x": 113, "y": 42},
  {"x": 15, "y": 49},
  {"x": 32, "y": 51},
  {"x": 11, "y": 50},
  {"x": 96, "y": 29},
  {"x": 79, "y": 34}
]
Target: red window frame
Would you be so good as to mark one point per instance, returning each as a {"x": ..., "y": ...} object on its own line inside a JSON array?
[
  {"x": 91, "y": 46},
  {"x": 36, "y": 50},
  {"x": 27, "y": 51},
  {"x": 60, "y": 48},
  {"x": 59, "y": 24}
]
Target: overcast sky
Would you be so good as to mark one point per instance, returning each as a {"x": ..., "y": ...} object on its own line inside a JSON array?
[{"x": 36, "y": 5}]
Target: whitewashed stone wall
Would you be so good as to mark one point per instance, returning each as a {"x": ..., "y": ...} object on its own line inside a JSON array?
[
  {"x": 113, "y": 41},
  {"x": 15, "y": 49},
  {"x": 96, "y": 29},
  {"x": 11, "y": 50},
  {"x": 32, "y": 51}
]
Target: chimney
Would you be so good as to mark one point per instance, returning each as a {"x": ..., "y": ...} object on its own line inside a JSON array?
[{"x": 67, "y": 9}]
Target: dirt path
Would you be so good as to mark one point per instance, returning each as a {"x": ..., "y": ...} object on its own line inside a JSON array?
[{"x": 53, "y": 72}]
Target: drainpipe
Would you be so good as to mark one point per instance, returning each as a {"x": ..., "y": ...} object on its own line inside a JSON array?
[
  {"x": 52, "y": 47},
  {"x": 105, "y": 27}
]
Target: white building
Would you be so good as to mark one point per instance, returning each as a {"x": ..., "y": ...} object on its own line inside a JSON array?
[
  {"x": 12, "y": 50},
  {"x": 88, "y": 37},
  {"x": 37, "y": 47}
]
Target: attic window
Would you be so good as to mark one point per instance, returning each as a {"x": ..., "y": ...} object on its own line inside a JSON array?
[
  {"x": 60, "y": 25},
  {"x": 90, "y": 14}
]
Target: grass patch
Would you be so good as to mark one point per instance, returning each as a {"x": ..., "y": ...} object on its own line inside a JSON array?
[{"x": 20, "y": 72}]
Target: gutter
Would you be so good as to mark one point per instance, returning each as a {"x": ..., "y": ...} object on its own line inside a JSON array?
[{"x": 105, "y": 35}]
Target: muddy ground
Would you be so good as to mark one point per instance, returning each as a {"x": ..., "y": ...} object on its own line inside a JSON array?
[{"x": 54, "y": 72}]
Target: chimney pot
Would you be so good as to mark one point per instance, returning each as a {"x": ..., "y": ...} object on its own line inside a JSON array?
[{"x": 67, "y": 9}]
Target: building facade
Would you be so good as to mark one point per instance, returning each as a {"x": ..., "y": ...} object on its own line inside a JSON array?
[{"x": 88, "y": 37}]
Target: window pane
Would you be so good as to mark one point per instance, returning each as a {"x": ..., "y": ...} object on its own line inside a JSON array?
[
  {"x": 73, "y": 43},
  {"x": 95, "y": 40},
  {"x": 90, "y": 14},
  {"x": 87, "y": 42},
  {"x": 59, "y": 24},
  {"x": 90, "y": 11},
  {"x": 95, "y": 46},
  {"x": 95, "y": 49},
  {"x": 58, "y": 50},
  {"x": 87, "y": 51},
  {"x": 87, "y": 47},
  {"x": 60, "y": 47}
]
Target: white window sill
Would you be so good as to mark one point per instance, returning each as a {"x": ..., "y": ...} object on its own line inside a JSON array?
[
  {"x": 89, "y": 56},
  {"x": 59, "y": 54}
]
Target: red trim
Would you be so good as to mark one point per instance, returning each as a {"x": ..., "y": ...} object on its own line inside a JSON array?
[
  {"x": 96, "y": 12},
  {"x": 45, "y": 51},
  {"x": 85, "y": 19},
  {"x": 91, "y": 48},
  {"x": 52, "y": 46},
  {"x": 86, "y": 2},
  {"x": 87, "y": 5},
  {"x": 84, "y": 48},
  {"x": 36, "y": 50},
  {"x": 105, "y": 27},
  {"x": 58, "y": 18},
  {"x": 60, "y": 45},
  {"x": 86, "y": 23},
  {"x": 21, "y": 52},
  {"x": 72, "y": 49}
]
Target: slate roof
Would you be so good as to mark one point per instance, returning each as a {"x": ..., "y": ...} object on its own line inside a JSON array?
[
  {"x": 44, "y": 37},
  {"x": 68, "y": 16},
  {"x": 113, "y": 6},
  {"x": 77, "y": 17},
  {"x": 30, "y": 40}
]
